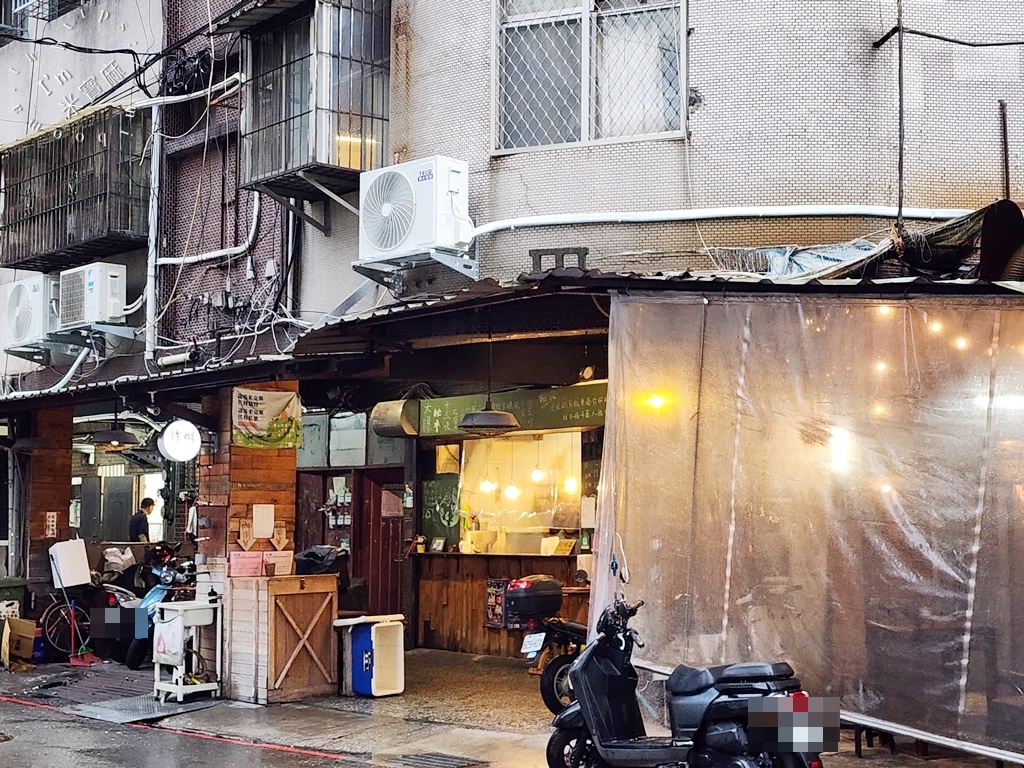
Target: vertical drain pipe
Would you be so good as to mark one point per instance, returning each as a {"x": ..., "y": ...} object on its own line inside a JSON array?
[
  {"x": 1006, "y": 149},
  {"x": 155, "y": 164}
]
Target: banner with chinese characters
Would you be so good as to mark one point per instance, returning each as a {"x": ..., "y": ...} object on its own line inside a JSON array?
[{"x": 266, "y": 419}]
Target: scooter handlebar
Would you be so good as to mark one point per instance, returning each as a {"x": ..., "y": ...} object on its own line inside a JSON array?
[{"x": 632, "y": 609}]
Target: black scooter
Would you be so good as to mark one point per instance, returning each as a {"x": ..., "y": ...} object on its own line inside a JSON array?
[
  {"x": 555, "y": 645},
  {"x": 707, "y": 709}
]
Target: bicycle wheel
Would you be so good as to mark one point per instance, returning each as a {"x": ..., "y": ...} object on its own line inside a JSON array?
[{"x": 57, "y": 628}]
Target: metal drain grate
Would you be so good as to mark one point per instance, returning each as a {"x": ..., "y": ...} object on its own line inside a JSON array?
[
  {"x": 436, "y": 760},
  {"x": 138, "y": 708}
]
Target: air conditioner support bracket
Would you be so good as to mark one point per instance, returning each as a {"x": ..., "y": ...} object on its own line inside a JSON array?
[
  {"x": 62, "y": 347},
  {"x": 335, "y": 197},
  {"x": 324, "y": 226},
  {"x": 388, "y": 272}
]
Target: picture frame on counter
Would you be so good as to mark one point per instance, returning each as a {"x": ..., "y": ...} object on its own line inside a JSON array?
[{"x": 437, "y": 544}]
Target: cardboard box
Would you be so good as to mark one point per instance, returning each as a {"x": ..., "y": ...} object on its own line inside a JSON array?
[{"x": 18, "y": 637}]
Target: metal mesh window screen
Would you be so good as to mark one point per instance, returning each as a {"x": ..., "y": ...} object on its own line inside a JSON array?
[
  {"x": 569, "y": 73},
  {"x": 279, "y": 129}
]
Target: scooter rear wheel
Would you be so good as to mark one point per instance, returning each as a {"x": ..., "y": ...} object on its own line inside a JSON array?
[
  {"x": 554, "y": 683},
  {"x": 139, "y": 652},
  {"x": 572, "y": 748}
]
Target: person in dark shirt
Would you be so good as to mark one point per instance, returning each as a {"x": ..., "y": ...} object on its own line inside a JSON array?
[{"x": 138, "y": 526}]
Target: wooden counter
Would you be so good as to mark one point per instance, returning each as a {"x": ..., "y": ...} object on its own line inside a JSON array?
[{"x": 453, "y": 595}]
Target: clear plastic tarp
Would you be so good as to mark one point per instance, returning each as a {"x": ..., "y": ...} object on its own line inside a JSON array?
[{"x": 833, "y": 481}]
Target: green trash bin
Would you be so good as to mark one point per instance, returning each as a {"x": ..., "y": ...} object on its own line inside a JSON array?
[{"x": 12, "y": 588}]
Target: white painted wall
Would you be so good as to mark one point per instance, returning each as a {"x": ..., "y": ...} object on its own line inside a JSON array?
[
  {"x": 45, "y": 85},
  {"x": 795, "y": 107}
]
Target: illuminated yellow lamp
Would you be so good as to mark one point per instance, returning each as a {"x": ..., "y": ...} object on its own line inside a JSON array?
[
  {"x": 512, "y": 492},
  {"x": 885, "y": 488},
  {"x": 879, "y": 410},
  {"x": 881, "y": 366},
  {"x": 935, "y": 327},
  {"x": 346, "y": 138},
  {"x": 537, "y": 475},
  {"x": 961, "y": 343},
  {"x": 488, "y": 486},
  {"x": 571, "y": 485},
  {"x": 655, "y": 401},
  {"x": 885, "y": 310}
]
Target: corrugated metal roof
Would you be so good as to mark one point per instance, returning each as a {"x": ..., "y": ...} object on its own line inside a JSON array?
[
  {"x": 259, "y": 12},
  {"x": 936, "y": 256}
]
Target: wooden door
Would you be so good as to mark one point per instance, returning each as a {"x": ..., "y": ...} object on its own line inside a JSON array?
[
  {"x": 309, "y": 520},
  {"x": 377, "y": 541},
  {"x": 303, "y": 646}
]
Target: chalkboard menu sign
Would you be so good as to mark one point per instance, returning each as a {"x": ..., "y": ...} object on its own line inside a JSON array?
[
  {"x": 440, "y": 508},
  {"x": 560, "y": 408}
]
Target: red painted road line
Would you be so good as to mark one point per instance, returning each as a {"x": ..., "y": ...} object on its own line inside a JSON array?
[{"x": 192, "y": 734}]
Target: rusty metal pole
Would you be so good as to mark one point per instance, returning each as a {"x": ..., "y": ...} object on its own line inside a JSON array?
[
  {"x": 1006, "y": 149},
  {"x": 899, "y": 172}
]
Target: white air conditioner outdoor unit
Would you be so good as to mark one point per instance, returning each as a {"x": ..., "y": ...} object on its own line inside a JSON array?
[
  {"x": 414, "y": 208},
  {"x": 92, "y": 294},
  {"x": 31, "y": 310}
]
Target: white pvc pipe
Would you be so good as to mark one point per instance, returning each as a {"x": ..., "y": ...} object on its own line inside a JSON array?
[
  {"x": 235, "y": 79},
  {"x": 55, "y": 387},
  {"x": 237, "y": 250},
  {"x": 155, "y": 164},
  {"x": 709, "y": 214}
]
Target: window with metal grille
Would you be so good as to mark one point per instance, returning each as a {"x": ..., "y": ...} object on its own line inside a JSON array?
[
  {"x": 12, "y": 24},
  {"x": 570, "y": 71},
  {"x": 281, "y": 108},
  {"x": 47, "y": 10}
]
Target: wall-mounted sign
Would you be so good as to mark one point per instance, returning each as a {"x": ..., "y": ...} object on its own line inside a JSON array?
[
  {"x": 582, "y": 405},
  {"x": 266, "y": 419},
  {"x": 180, "y": 441}
]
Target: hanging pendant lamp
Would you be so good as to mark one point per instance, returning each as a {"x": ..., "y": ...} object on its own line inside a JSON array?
[
  {"x": 115, "y": 439},
  {"x": 489, "y": 422}
]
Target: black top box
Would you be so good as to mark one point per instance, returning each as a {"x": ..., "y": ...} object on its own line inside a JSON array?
[{"x": 534, "y": 597}]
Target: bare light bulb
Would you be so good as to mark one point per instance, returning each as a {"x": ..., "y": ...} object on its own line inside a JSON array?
[
  {"x": 512, "y": 492},
  {"x": 571, "y": 485},
  {"x": 961, "y": 343},
  {"x": 487, "y": 486},
  {"x": 537, "y": 475}
]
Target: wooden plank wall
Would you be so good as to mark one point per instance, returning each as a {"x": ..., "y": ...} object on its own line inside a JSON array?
[
  {"x": 453, "y": 593},
  {"x": 259, "y": 476},
  {"x": 246, "y": 640},
  {"x": 234, "y": 478}
]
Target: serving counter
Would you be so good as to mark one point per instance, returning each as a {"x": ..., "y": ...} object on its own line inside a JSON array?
[{"x": 452, "y": 599}]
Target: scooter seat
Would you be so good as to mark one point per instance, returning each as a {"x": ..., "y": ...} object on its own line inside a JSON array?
[
  {"x": 754, "y": 673},
  {"x": 689, "y": 681},
  {"x": 572, "y": 627}
]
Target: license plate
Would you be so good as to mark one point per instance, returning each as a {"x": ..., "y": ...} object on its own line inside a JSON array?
[{"x": 533, "y": 642}]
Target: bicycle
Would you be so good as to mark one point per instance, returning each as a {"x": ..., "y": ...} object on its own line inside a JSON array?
[{"x": 66, "y": 625}]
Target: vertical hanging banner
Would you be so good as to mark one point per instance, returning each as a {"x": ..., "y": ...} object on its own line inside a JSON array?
[{"x": 265, "y": 419}]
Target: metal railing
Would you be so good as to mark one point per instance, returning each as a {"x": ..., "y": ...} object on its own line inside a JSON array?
[{"x": 73, "y": 185}]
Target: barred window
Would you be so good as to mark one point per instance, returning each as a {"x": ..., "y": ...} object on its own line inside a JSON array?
[{"x": 570, "y": 71}]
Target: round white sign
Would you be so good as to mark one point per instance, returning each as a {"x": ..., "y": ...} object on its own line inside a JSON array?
[{"x": 180, "y": 441}]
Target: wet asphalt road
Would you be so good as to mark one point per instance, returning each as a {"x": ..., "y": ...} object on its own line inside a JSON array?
[{"x": 44, "y": 738}]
